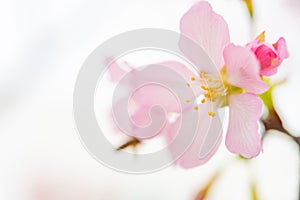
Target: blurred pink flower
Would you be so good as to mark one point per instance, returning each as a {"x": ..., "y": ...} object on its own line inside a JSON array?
[
  {"x": 270, "y": 56},
  {"x": 236, "y": 84},
  {"x": 143, "y": 99}
]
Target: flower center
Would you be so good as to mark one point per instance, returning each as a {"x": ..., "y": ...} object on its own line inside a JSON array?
[{"x": 213, "y": 89}]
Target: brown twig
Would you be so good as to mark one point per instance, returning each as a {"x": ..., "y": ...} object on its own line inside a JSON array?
[
  {"x": 273, "y": 122},
  {"x": 133, "y": 143},
  {"x": 202, "y": 194}
]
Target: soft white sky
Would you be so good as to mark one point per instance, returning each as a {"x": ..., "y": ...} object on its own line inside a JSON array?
[{"x": 43, "y": 45}]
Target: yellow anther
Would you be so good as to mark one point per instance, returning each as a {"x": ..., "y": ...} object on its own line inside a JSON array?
[
  {"x": 211, "y": 89},
  {"x": 207, "y": 95},
  {"x": 212, "y": 114},
  {"x": 204, "y": 87}
]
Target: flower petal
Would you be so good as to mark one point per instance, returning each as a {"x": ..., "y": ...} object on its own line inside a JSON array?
[
  {"x": 243, "y": 131},
  {"x": 243, "y": 69},
  {"x": 206, "y": 141},
  {"x": 281, "y": 48},
  {"x": 142, "y": 122},
  {"x": 265, "y": 55},
  {"x": 145, "y": 97},
  {"x": 155, "y": 94},
  {"x": 207, "y": 29},
  {"x": 269, "y": 71},
  {"x": 179, "y": 68},
  {"x": 116, "y": 71}
]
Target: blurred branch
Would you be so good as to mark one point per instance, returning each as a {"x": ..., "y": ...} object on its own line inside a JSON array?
[
  {"x": 273, "y": 122},
  {"x": 202, "y": 194},
  {"x": 131, "y": 143},
  {"x": 249, "y": 5},
  {"x": 254, "y": 195}
]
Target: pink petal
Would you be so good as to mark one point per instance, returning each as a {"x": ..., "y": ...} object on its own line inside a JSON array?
[
  {"x": 207, "y": 29},
  {"x": 179, "y": 68},
  {"x": 281, "y": 48},
  {"x": 270, "y": 57},
  {"x": 243, "y": 69},
  {"x": 155, "y": 94},
  {"x": 265, "y": 55},
  {"x": 243, "y": 130},
  {"x": 144, "y": 122},
  {"x": 115, "y": 70},
  {"x": 148, "y": 122},
  {"x": 269, "y": 71},
  {"x": 206, "y": 142}
]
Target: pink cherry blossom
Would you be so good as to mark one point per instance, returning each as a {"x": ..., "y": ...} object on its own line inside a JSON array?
[
  {"x": 239, "y": 70},
  {"x": 245, "y": 108},
  {"x": 143, "y": 99},
  {"x": 270, "y": 56},
  {"x": 235, "y": 84}
]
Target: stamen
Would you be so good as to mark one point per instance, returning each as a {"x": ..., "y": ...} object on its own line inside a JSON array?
[
  {"x": 207, "y": 95},
  {"x": 211, "y": 113},
  {"x": 204, "y": 87},
  {"x": 212, "y": 89}
]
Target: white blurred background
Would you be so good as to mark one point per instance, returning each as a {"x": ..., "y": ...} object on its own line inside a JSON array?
[{"x": 43, "y": 45}]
